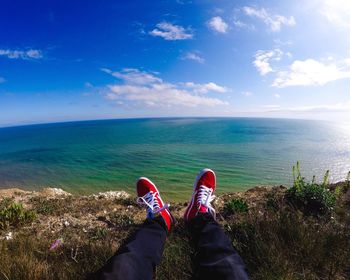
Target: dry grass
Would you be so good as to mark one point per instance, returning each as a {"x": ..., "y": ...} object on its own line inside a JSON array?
[{"x": 275, "y": 241}]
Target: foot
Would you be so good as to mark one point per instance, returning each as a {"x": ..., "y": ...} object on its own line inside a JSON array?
[
  {"x": 149, "y": 197},
  {"x": 202, "y": 196}
]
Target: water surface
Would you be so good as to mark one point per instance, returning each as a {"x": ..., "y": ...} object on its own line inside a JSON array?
[{"x": 102, "y": 155}]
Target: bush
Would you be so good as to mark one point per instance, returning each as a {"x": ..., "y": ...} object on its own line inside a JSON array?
[
  {"x": 311, "y": 198},
  {"x": 236, "y": 205},
  {"x": 13, "y": 215}
]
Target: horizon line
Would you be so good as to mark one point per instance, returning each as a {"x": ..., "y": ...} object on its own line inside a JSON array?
[{"x": 155, "y": 118}]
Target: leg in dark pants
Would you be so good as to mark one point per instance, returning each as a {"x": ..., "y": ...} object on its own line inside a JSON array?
[
  {"x": 138, "y": 258},
  {"x": 216, "y": 258}
]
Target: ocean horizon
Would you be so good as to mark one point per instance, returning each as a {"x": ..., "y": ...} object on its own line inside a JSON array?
[{"x": 100, "y": 155}]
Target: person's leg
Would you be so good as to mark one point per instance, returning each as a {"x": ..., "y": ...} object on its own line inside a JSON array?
[
  {"x": 138, "y": 258},
  {"x": 216, "y": 257}
]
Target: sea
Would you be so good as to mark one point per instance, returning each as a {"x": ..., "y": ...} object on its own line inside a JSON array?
[{"x": 94, "y": 156}]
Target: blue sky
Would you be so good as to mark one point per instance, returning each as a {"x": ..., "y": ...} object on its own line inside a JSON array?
[{"x": 79, "y": 60}]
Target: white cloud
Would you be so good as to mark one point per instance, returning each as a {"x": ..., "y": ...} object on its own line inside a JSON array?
[
  {"x": 311, "y": 72},
  {"x": 205, "y": 88},
  {"x": 218, "y": 24},
  {"x": 341, "y": 106},
  {"x": 34, "y": 54},
  {"x": 193, "y": 56},
  {"x": 164, "y": 95},
  {"x": 277, "y": 95},
  {"x": 21, "y": 54},
  {"x": 106, "y": 70},
  {"x": 171, "y": 32},
  {"x": 88, "y": 85},
  {"x": 338, "y": 107},
  {"x": 134, "y": 76},
  {"x": 247, "y": 93},
  {"x": 2, "y": 80},
  {"x": 274, "y": 22},
  {"x": 143, "y": 88},
  {"x": 337, "y": 12},
  {"x": 240, "y": 24},
  {"x": 263, "y": 58},
  {"x": 280, "y": 43}
]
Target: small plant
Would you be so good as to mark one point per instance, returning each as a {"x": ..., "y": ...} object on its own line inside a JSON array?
[
  {"x": 5, "y": 202},
  {"x": 99, "y": 233},
  {"x": 122, "y": 220},
  {"x": 44, "y": 206},
  {"x": 236, "y": 205},
  {"x": 312, "y": 198},
  {"x": 338, "y": 191},
  {"x": 14, "y": 215}
]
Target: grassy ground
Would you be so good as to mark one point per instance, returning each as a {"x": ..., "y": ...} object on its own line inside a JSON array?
[{"x": 274, "y": 237}]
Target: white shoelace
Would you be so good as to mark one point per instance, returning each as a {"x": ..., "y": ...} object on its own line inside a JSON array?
[
  {"x": 151, "y": 204},
  {"x": 205, "y": 198}
]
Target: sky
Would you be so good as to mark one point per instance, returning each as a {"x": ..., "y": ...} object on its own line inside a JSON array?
[{"x": 84, "y": 60}]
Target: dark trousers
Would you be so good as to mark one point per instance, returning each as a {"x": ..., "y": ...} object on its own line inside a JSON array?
[{"x": 215, "y": 258}]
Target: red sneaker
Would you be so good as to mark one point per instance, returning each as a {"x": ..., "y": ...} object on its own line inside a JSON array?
[
  {"x": 202, "y": 196},
  {"x": 148, "y": 196}
]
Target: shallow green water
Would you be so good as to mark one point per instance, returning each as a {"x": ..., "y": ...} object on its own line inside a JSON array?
[{"x": 102, "y": 155}]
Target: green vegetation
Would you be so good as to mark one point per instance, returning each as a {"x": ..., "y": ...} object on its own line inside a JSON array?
[
  {"x": 99, "y": 233},
  {"x": 14, "y": 215},
  {"x": 311, "y": 198},
  {"x": 44, "y": 206},
  {"x": 52, "y": 206},
  {"x": 236, "y": 205},
  {"x": 122, "y": 220}
]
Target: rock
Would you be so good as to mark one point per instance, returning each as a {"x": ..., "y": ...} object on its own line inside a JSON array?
[
  {"x": 9, "y": 236},
  {"x": 54, "y": 192},
  {"x": 112, "y": 195}
]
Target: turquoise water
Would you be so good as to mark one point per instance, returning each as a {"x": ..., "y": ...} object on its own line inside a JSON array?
[{"x": 93, "y": 156}]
